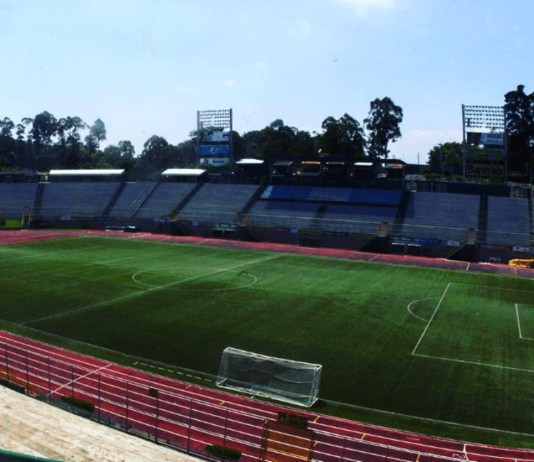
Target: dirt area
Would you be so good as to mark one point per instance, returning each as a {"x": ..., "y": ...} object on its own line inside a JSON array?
[{"x": 38, "y": 429}]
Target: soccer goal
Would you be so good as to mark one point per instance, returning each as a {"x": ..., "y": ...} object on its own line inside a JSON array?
[{"x": 285, "y": 380}]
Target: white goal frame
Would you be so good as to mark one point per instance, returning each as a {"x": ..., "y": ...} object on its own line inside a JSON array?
[{"x": 286, "y": 380}]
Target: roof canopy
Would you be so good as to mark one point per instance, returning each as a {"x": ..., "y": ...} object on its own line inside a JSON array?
[
  {"x": 183, "y": 172},
  {"x": 249, "y": 162},
  {"x": 88, "y": 172}
]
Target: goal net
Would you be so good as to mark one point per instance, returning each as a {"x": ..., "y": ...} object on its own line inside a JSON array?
[{"x": 281, "y": 379}]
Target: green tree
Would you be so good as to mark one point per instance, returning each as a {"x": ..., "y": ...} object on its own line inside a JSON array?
[
  {"x": 383, "y": 124},
  {"x": 24, "y": 153},
  {"x": 44, "y": 129},
  {"x": 343, "y": 137},
  {"x": 186, "y": 154},
  {"x": 303, "y": 146},
  {"x": 69, "y": 147},
  {"x": 119, "y": 156},
  {"x": 252, "y": 142},
  {"x": 156, "y": 154},
  {"x": 97, "y": 134},
  {"x": 519, "y": 127},
  {"x": 446, "y": 157},
  {"x": 7, "y": 144}
]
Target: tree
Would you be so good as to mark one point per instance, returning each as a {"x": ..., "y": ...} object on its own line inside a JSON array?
[
  {"x": 445, "y": 157},
  {"x": 155, "y": 155},
  {"x": 343, "y": 137},
  {"x": 44, "y": 128},
  {"x": 302, "y": 146},
  {"x": 69, "y": 148},
  {"x": 7, "y": 144},
  {"x": 519, "y": 128},
  {"x": 97, "y": 134},
  {"x": 383, "y": 124}
]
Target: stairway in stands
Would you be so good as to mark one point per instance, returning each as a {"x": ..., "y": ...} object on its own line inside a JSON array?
[{"x": 483, "y": 218}]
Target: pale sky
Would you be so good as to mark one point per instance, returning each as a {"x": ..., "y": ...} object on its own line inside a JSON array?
[{"x": 145, "y": 67}]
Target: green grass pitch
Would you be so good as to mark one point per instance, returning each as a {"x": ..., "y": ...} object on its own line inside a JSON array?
[{"x": 418, "y": 348}]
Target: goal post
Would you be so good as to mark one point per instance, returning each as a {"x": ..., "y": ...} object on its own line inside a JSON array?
[{"x": 281, "y": 379}]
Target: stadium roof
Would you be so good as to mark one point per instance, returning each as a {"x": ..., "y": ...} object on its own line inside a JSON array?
[
  {"x": 183, "y": 172},
  {"x": 82, "y": 172},
  {"x": 250, "y": 162}
]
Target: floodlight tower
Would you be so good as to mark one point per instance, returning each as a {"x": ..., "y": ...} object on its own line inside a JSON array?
[
  {"x": 214, "y": 138},
  {"x": 484, "y": 153}
]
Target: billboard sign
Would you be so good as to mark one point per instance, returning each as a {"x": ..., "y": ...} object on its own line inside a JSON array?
[
  {"x": 492, "y": 139},
  {"x": 485, "y": 170},
  {"x": 214, "y": 150},
  {"x": 485, "y": 154},
  {"x": 214, "y": 161}
]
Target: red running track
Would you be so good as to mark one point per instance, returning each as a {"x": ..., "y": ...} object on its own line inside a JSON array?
[{"x": 188, "y": 417}]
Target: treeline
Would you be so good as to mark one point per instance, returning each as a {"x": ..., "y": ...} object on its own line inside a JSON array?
[{"x": 45, "y": 142}]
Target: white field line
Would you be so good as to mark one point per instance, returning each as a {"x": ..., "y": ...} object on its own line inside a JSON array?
[
  {"x": 143, "y": 292},
  {"x": 475, "y": 363},
  {"x": 68, "y": 384},
  {"x": 431, "y": 318},
  {"x": 253, "y": 280},
  {"x": 519, "y": 324},
  {"x": 518, "y": 321},
  {"x": 409, "y": 307}
]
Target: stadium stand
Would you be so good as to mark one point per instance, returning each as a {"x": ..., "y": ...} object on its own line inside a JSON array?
[
  {"x": 282, "y": 214},
  {"x": 441, "y": 216},
  {"x": 508, "y": 221},
  {"x": 498, "y": 221},
  {"x": 76, "y": 198},
  {"x": 130, "y": 198},
  {"x": 15, "y": 197},
  {"x": 218, "y": 203},
  {"x": 162, "y": 199},
  {"x": 356, "y": 218},
  {"x": 341, "y": 195}
]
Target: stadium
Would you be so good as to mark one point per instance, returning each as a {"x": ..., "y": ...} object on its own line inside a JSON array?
[{"x": 253, "y": 317}]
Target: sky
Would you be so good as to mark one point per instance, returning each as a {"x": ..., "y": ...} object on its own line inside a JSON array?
[{"x": 145, "y": 67}]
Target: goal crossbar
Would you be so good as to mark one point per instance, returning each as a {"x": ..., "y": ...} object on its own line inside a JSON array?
[{"x": 294, "y": 382}]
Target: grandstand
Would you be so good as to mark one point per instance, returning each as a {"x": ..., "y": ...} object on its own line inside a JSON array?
[
  {"x": 439, "y": 218},
  {"x": 15, "y": 197},
  {"x": 508, "y": 221}
]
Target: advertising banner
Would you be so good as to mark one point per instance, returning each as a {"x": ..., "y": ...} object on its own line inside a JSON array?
[
  {"x": 214, "y": 150},
  {"x": 485, "y": 170}
]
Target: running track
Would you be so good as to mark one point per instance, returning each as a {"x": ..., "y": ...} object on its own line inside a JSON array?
[{"x": 189, "y": 417}]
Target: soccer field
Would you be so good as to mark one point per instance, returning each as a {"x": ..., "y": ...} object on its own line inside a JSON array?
[{"x": 442, "y": 346}]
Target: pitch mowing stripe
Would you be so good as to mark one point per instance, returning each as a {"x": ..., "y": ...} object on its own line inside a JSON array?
[
  {"x": 431, "y": 318},
  {"x": 143, "y": 292}
]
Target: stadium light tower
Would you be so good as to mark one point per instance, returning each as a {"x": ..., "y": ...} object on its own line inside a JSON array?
[
  {"x": 484, "y": 146},
  {"x": 214, "y": 138}
]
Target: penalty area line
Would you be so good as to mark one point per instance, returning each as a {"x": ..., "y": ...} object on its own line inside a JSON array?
[{"x": 521, "y": 337}]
